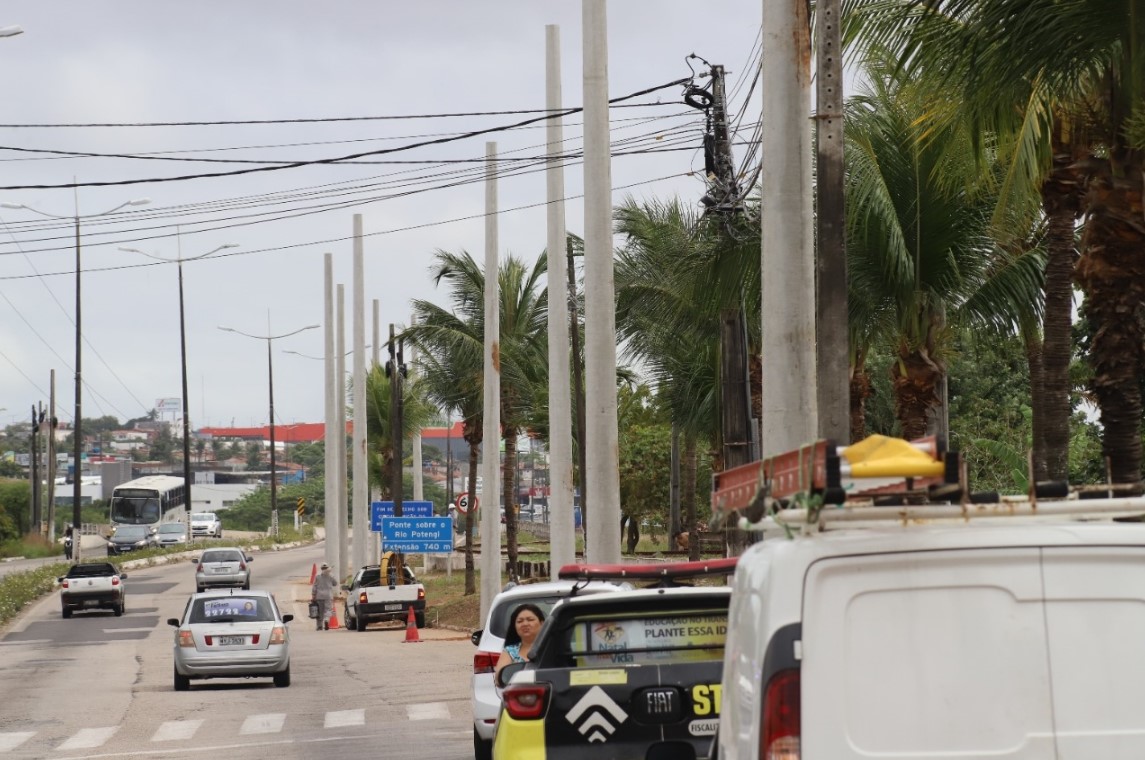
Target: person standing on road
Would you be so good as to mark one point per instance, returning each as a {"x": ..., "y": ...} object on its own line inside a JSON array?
[
  {"x": 323, "y": 593},
  {"x": 524, "y": 625}
]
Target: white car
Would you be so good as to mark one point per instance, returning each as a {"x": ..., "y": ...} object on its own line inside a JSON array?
[
  {"x": 490, "y": 640},
  {"x": 206, "y": 524}
]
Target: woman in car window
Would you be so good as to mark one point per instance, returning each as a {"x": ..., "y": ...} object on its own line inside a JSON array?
[{"x": 524, "y": 624}]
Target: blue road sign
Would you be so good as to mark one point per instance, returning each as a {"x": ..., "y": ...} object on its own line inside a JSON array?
[
  {"x": 380, "y": 509},
  {"x": 418, "y": 535}
]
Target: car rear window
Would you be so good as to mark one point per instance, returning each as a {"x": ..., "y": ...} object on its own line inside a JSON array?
[
  {"x": 233, "y": 609},
  {"x": 91, "y": 571},
  {"x": 221, "y": 556},
  {"x": 652, "y": 639},
  {"x": 373, "y": 576},
  {"x": 499, "y": 619}
]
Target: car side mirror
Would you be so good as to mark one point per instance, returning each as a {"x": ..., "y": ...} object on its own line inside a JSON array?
[
  {"x": 345, "y": 587},
  {"x": 194, "y": 559},
  {"x": 123, "y": 576},
  {"x": 173, "y": 622},
  {"x": 475, "y": 637},
  {"x": 505, "y": 675},
  {"x": 61, "y": 579},
  {"x": 250, "y": 559},
  {"x": 287, "y": 618}
]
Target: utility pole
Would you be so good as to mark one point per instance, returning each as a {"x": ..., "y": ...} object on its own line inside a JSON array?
[
  {"x": 52, "y": 423},
  {"x": 578, "y": 390},
  {"x": 602, "y": 537},
  {"x": 340, "y": 378},
  {"x": 787, "y": 245},
  {"x": 395, "y": 370},
  {"x": 832, "y": 336},
  {"x": 376, "y": 489},
  {"x": 491, "y": 397},
  {"x": 34, "y": 450},
  {"x": 361, "y": 476},
  {"x": 563, "y": 537},
  {"x": 331, "y": 438}
]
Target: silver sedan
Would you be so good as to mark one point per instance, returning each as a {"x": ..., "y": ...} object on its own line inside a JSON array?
[{"x": 236, "y": 634}]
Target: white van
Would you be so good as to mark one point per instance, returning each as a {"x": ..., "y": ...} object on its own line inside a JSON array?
[{"x": 999, "y": 638}]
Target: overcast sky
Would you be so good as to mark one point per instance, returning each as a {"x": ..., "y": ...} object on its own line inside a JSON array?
[{"x": 136, "y": 61}]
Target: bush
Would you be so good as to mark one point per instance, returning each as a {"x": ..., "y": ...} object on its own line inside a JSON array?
[{"x": 17, "y": 590}]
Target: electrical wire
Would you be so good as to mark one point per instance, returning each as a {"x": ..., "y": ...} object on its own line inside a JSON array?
[{"x": 338, "y": 159}]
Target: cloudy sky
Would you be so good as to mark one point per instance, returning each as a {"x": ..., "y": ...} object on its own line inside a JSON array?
[{"x": 136, "y": 62}]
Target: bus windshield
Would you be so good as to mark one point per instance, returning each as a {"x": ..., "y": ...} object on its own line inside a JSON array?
[{"x": 135, "y": 509}]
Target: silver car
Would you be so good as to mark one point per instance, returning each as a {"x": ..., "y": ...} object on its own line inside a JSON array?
[
  {"x": 228, "y": 566},
  {"x": 231, "y": 634},
  {"x": 171, "y": 533}
]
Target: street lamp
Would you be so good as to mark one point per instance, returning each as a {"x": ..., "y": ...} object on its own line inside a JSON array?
[
  {"x": 270, "y": 387},
  {"x": 187, "y": 504},
  {"x": 78, "y": 430}
]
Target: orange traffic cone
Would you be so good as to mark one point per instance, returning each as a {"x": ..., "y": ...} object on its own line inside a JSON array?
[
  {"x": 333, "y": 622},
  {"x": 411, "y": 629},
  {"x": 313, "y": 573}
]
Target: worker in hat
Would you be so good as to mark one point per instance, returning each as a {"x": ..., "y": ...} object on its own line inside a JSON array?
[{"x": 322, "y": 592}]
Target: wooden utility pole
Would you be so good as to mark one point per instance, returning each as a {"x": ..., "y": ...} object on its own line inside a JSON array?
[{"x": 578, "y": 390}]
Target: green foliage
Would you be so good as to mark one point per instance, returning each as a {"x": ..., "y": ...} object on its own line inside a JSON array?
[
  {"x": 17, "y": 590},
  {"x": 312, "y": 456},
  {"x": 15, "y": 498},
  {"x": 163, "y": 446},
  {"x": 645, "y": 470},
  {"x": 254, "y": 455}
]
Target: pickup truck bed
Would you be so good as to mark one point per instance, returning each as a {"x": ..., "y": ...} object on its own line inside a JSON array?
[
  {"x": 93, "y": 585},
  {"x": 369, "y": 599}
]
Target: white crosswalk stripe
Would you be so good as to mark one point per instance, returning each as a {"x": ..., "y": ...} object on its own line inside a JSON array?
[
  {"x": 174, "y": 730},
  {"x": 14, "y": 739},
  {"x": 341, "y": 718},
  {"x": 268, "y": 723},
  {"x": 88, "y": 738},
  {"x": 428, "y": 711}
]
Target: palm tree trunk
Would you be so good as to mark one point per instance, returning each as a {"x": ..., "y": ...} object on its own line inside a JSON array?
[
  {"x": 1112, "y": 273},
  {"x": 509, "y": 474},
  {"x": 688, "y": 494},
  {"x": 470, "y": 572},
  {"x": 860, "y": 392},
  {"x": 914, "y": 377},
  {"x": 1051, "y": 403},
  {"x": 1034, "y": 360}
]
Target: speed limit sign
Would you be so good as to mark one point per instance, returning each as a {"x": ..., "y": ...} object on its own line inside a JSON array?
[{"x": 463, "y": 502}]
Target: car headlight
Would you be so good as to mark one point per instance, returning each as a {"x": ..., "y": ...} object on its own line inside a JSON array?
[{"x": 141, "y": 543}]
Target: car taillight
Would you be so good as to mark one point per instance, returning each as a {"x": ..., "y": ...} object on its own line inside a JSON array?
[
  {"x": 242, "y": 566},
  {"x": 115, "y": 580},
  {"x": 527, "y": 701},
  {"x": 185, "y": 639},
  {"x": 200, "y": 567},
  {"x": 362, "y": 598},
  {"x": 277, "y": 636},
  {"x": 421, "y": 593},
  {"x": 485, "y": 662},
  {"x": 64, "y": 584},
  {"x": 779, "y": 736}
]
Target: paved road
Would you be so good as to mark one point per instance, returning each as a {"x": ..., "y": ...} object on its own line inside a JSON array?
[{"x": 98, "y": 686}]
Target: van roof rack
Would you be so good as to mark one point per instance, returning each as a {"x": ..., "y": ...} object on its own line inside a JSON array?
[{"x": 667, "y": 574}]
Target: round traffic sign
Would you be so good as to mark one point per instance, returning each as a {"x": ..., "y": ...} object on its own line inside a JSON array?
[{"x": 463, "y": 502}]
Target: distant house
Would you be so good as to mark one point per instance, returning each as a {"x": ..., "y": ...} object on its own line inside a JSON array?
[{"x": 128, "y": 440}]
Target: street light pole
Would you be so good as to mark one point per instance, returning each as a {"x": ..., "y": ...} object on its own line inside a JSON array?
[
  {"x": 270, "y": 387},
  {"x": 77, "y": 434},
  {"x": 187, "y": 502}
]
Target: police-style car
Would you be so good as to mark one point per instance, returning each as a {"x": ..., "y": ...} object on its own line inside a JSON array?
[{"x": 629, "y": 675}]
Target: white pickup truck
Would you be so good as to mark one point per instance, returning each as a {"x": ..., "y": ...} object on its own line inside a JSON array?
[
  {"x": 375, "y": 594},
  {"x": 93, "y": 585}
]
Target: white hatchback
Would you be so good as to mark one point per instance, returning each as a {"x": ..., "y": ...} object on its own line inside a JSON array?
[{"x": 490, "y": 640}]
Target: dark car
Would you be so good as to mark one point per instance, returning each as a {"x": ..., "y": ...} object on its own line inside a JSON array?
[
  {"x": 129, "y": 538},
  {"x": 633, "y": 674}
]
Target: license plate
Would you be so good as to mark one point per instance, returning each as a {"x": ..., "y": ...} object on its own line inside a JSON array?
[
  {"x": 222, "y": 570},
  {"x": 232, "y": 641},
  {"x": 390, "y": 607},
  {"x": 91, "y": 603}
]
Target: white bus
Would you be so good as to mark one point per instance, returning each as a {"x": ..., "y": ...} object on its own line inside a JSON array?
[{"x": 149, "y": 500}]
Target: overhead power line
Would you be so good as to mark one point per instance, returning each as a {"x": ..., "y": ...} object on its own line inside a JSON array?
[
  {"x": 349, "y": 157},
  {"x": 332, "y": 119}
]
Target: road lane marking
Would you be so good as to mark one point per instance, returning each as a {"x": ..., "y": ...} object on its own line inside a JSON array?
[
  {"x": 14, "y": 739},
  {"x": 88, "y": 738},
  {"x": 342, "y": 718},
  {"x": 128, "y": 630},
  {"x": 25, "y": 641},
  {"x": 175, "y": 730},
  {"x": 268, "y": 723},
  {"x": 428, "y": 711}
]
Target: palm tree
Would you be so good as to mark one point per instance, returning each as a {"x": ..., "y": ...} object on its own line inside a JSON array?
[
  {"x": 417, "y": 412},
  {"x": 459, "y": 335},
  {"x": 1060, "y": 86},
  {"x": 919, "y": 252}
]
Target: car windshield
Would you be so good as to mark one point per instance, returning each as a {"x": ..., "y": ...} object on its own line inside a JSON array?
[
  {"x": 171, "y": 528},
  {"x": 655, "y": 638},
  {"x": 372, "y": 576},
  {"x": 218, "y": 555},
  {"x": 231, "y": 609},
  {"x": 203, "y": 517},
  {"x": 130, "y": 531}
]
